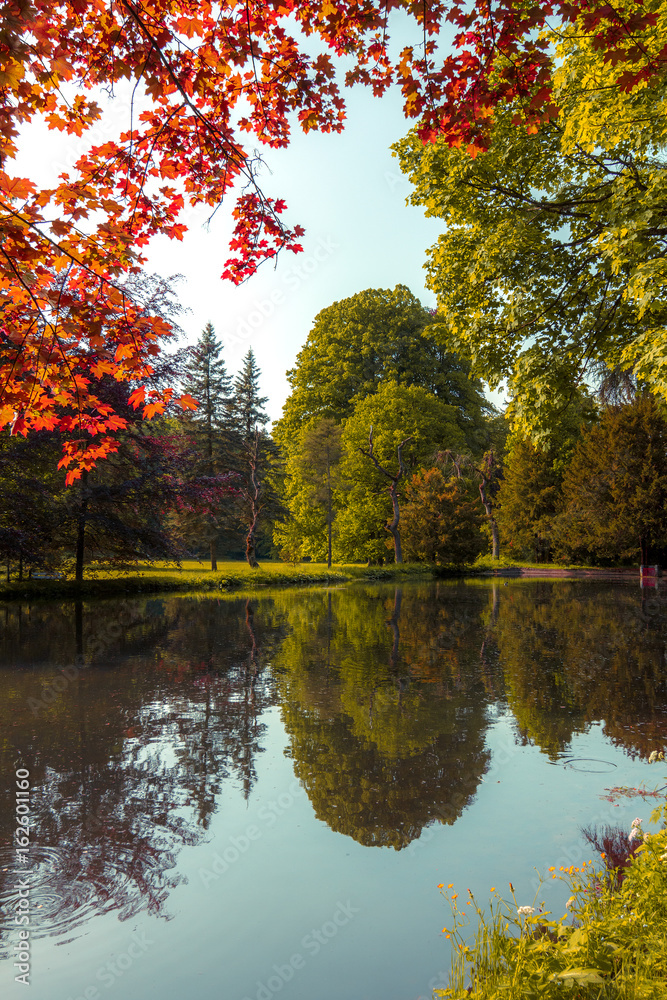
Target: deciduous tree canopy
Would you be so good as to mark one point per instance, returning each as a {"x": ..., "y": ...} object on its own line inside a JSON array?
[
  {"x": 553, "y": 262},
  {"x": 202, "y": 77}
]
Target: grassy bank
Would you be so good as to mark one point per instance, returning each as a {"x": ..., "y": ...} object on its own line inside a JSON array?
[
  {"x": 611, "y": 944},
  {"x": 192, "y": 576}
]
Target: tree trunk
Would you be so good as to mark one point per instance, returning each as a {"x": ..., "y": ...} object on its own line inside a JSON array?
[
  {"x": 253, "y": 495},
  {"x": 488, "y": 507},
  {"x": 393, "y": 524},
  {"x": 250, "y": 553},
  {"x": 81, "y": 531},
  {"x": 329, "y": 519},
  {"x": 214, "y": 553}
]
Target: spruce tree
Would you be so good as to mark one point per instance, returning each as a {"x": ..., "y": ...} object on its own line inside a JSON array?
[
  {"x": 248, "y": 406},
  {"x": 256, "y": 456},
  {"x": 206, "y": 379}
]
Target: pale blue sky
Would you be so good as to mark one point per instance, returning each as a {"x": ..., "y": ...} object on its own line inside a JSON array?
[
  {"x": 345, "y": 189},
  {"x": 348, "y": 193}
]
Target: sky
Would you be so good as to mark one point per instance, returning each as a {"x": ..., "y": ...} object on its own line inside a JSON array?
[
  {"x": 345, "y": 189},
  {"x": 350, "y": 196}
]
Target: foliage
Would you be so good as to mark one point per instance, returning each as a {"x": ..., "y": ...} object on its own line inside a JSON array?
[
  {"x": 441, "y": 519},
  {"x": 31, "y": 533},
  {"x": 552, "y": 263},
  {"x": 210, "y": 427},
  {"x": 615, "y": 489},
  {"x": 206, "y": 379},
  {"x": 395, "y": 412},
  {"x": 529, "y": 501},
  {"x": 312, "y": 481},
  {"x": 370, "y": 338},
  {"x": 206, "y": 77},
  {"x": 612, "y": 947},
  {"x": 246, "y": 405}
]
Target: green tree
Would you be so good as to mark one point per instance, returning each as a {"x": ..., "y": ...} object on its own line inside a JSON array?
[
  {"x": 256, "y": 460},
  {"x": 32, "y": 535},
  {"x": 396, "y": 413},
  {"x": 311, "y": 490},
  {"x": 206, "y": 379},
  {"x": 376, "y": 336},
  {"x": 441, "y": 519},
  {"x": 552, "y": 261},
  {"x": 615, "y": 488},
  {"x": 529, "y": 501},
  {"x": 247, "y": 406}
]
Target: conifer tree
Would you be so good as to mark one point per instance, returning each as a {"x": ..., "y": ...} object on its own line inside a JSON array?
[
  {"x": 206, "y": 379},
  {"x": 255, "y": 456},
  {"x": 247, "y": 406}
]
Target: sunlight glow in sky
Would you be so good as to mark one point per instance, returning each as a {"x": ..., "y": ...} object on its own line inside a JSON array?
[{"x": 345, "y": 189}]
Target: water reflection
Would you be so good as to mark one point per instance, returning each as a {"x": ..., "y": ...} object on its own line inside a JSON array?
[
  {"x": 386, "y": 696},
  {"x": 384, "y": 702},
  {"x": 574, "y": 653},
  {"x": 127, "y": 753}
]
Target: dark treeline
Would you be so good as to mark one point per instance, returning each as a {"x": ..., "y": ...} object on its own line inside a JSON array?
[{"x": 179, "y": 485}]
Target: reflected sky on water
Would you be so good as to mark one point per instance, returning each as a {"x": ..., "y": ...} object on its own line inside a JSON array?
[{"x": 238, "y": 798}]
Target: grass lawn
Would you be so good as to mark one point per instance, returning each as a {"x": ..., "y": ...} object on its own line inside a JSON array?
[{"x": 191, "y": 575}]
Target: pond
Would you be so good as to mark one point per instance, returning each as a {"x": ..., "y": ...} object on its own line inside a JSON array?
[{"x": 240, "y": 798}]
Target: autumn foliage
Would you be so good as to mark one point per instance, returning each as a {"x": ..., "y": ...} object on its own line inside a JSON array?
[{"x": 203, "y": 78}]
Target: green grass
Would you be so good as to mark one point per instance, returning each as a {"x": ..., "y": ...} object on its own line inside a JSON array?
[
  {"x": 191, "y": 575},
  {"x": 486, "y": 562}
]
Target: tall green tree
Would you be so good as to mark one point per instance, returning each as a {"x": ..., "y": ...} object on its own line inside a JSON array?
[
  {"x": 256, "y": 459},
  {"x": 615, "y": 488},
  {"x": 552, "y": 261},
  {"x": 529, "y": 501},
  {"x": 319, "y": 460},
  {"x": 247, "y": 406},
  {"x": 370, "y": 501},
  {"x": 206, "y": 379},
  {"x": 376, "y": 336}
]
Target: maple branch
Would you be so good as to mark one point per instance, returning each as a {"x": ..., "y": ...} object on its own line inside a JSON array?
[{"x": 254, "y": 66}]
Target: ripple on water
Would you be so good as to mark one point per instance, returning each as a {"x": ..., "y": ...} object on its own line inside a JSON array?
[
  {"x": 589, "y": 764},
  {"x": 66, "y": 889}
]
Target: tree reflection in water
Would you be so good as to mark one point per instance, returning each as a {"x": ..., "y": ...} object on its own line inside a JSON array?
[
  {"x": 127, "y": 761},
  {"x": 576, "y": 653},
  {"x": 384, "y": 700},
  {"x": 385, "y": 692}
]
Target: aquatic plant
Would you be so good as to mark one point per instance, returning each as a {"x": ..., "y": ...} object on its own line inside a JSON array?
[{"x": 610, "y": 944}]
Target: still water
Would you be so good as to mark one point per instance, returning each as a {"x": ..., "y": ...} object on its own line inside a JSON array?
[{"x": 240, "y": 799}]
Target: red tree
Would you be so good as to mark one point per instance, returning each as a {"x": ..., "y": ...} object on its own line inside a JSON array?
[{"x": 211, "y": 74}]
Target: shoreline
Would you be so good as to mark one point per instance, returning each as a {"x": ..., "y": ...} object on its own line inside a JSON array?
[{"x": 122, "y": 586}]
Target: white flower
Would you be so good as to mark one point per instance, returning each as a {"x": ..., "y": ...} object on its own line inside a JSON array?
[
  {"x": 525, "y": 910},
  {"x": 636, "y": 822},
  {"x": 656, "y": 755},
  {"x": 635, "y": 833},
  {"x": 570, "y": 902}
]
